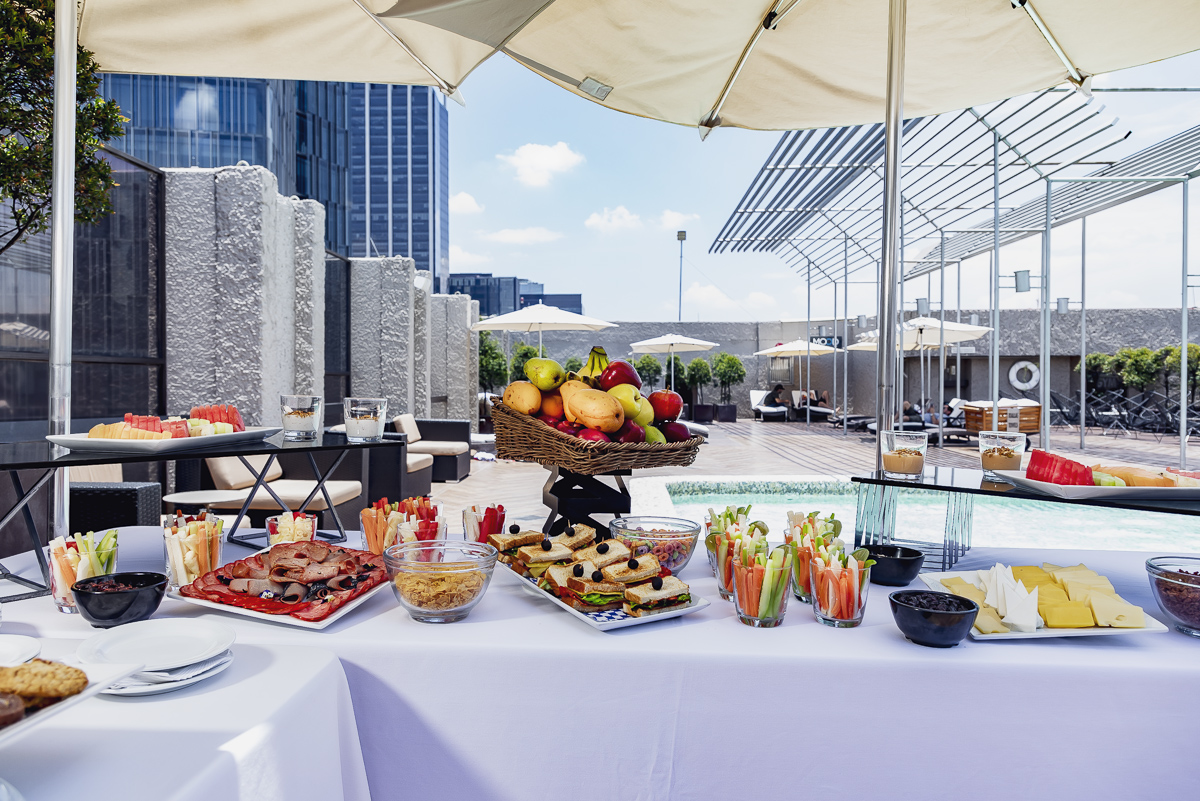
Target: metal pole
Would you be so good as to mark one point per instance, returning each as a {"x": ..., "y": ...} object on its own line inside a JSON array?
[
  {"x": 1183, "y": 350},
  {"x": 845, "y": 335},
  {"x": 62, "y": 242},
  {"x": 1083, "y": 335},
  {"x": 898, "y": 355},
  {"x": 808, "y": 358},
  {"x": 941, "y": 384},
  {"x": 1044, "y": 388},
  {"x": 681, "y": 236},
  {"x": 835, "y": 386},
  {"x": 888, "y": 270},
  {"x": 958, "y": 348},
  {"x": 995, "y": 281}
]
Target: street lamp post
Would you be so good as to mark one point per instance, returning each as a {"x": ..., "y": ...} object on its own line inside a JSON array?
[{"x": 681, "y": 236}]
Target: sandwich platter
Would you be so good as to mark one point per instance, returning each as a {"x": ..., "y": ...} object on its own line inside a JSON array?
[
  {"x": 82, "y": 442},
  {"x": 1072, "y": 492},
  {"x": 608, "y": 620}
]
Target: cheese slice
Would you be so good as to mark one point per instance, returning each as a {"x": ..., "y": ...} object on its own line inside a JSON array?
[
  {"x": 1112, "y": 612},
  {"x": 967, "y": 591},
  {"x": 1083, "y": 592},
  {"x": 1047, "y": 566},
  {"x": 1069, "y": 615},
  {"x": 1052, "y": 593},
  {"x": 1022, "y": 609},
  {"x": 988, "y": 621}
]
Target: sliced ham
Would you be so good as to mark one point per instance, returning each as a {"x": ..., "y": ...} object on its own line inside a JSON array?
[
  {"x": 295, "y": 593},
  {"x": 254, "y": 586}
]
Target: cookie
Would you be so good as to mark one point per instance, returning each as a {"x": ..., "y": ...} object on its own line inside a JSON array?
[
  {"x": 40, "y": 683},
  {"x": 12, "y": 709}
]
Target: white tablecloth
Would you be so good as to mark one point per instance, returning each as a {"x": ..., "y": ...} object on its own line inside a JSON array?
[
  {"x": 278, "y": 725},
  {"x": 521, "y": 700}
]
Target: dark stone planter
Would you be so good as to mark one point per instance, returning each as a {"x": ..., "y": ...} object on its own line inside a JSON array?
[
  {"x": 703, "y": 412},
  {"x": 727, "y": 413}
]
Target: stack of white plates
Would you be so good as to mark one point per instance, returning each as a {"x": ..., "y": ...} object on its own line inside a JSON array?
[{"x": 175, "y": 653}]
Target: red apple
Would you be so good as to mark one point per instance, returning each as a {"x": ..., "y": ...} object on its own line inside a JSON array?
[
  {"x": 667, "y": 405},
  {"x": 675, "y": 432},
  {"x": 550, "y": 420},
  {"x": 567, "y": 427},
  {"x": 618, "y": 372},
  {"x": 630, "y": 432},
  {"x": 592, "y": 435}
]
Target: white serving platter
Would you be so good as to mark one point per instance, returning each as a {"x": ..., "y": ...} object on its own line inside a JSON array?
[
  {"x": 1080, "y": 492},
  {"x": 934, "y": 582},
  {"x": 159, "y": 644},
  {"x": 168, "y": 686},
  {"x": 604, "y": 621},
  {"x": 82, "y": 442},
  {"x": 283, "y": 620},
  {"x": 100, "y": 678}
]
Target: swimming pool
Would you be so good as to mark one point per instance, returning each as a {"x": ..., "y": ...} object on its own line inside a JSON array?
[{"x": 921, "y": 514}]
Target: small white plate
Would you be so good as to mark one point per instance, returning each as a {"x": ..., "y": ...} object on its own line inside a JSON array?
[
  {"x": 158, "y": 644},
  {"x": 100, "y": 677},
  {"x": 168, "y": 686},
  {"x": 82, "y": 442},
  {"x": 16, "y": 649}
]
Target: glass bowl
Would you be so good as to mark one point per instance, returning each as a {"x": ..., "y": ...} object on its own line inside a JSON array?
[
  {"x": 440, "y": 581},
  {"x": 1175, "y": 582},
  {"x": 671, "y": 539}
]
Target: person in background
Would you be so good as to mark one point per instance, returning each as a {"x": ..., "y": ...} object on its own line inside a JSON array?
[
  {"x": 824, "y": 401},
  {"x": 931, "y": 416},
  {"x": 778, "y": 397},
  {"x": 912, "y": 414}
]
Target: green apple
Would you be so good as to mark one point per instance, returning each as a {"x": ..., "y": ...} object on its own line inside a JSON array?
[
  {"x": 629, "y": 396},
  {"x": 654, "y": 435},
  {"x": 645, "y": 414}
]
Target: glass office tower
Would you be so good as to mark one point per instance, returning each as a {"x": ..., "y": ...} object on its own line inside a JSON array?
[{"x": 400, "y": 176}]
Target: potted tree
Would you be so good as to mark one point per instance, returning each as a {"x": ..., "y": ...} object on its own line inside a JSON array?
[
  {"x": 727, "y": 370},
  {"x": 699, "y": 375},
  {"x": 649, "y": 370}
]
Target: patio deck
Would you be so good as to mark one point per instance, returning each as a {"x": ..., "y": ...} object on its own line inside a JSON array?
[{"x": 784, "y": 449}]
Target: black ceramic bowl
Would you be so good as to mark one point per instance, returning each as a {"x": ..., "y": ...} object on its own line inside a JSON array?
[
  {"x": 895, "y": 566},
  {"x": 936, "y": 619},
  {"x": 107, "y": 608}
]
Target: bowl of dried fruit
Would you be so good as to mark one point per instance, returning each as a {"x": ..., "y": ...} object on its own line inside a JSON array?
[
  {"x": 935, "y": 619},
  {"x": 439, "y": 581},
  {"x": 1175, "y": 581}
]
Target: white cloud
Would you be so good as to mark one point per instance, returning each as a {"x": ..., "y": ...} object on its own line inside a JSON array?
[
  {"x": 461, "y": 258},
  {"x": 523, "y": 236},
  {"x": 463, "y": 203},
  {"x": 709, "y": 301},
  {"x": 612, "y": 220},
  {"x": 674, "y": 220},
  {"x": 537, "y": 164}
]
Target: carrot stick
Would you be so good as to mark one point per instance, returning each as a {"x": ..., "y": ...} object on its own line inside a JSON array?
[{"x": 755, "y": 579}]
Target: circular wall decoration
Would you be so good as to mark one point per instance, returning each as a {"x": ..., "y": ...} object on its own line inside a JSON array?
[{"x": 1014, "y": 375}]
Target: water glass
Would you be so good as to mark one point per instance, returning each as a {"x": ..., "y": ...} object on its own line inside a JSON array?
[
  {"x": 62, "y": 575},
  {"x": 1000, "y": 450},
  {"x": 365, "y": 418},
  {"x": 834, "y": 601},
  {"x": 904, "y": 454},
  {"x": 301, "y": 416},
  {"x": 190, "y": 551},
  {"x": 761, "y": 605}
]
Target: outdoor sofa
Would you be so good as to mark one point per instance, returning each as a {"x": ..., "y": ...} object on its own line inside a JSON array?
[{"x": 447, "y": 442}]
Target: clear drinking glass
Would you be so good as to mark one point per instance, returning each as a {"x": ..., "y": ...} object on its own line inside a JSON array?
[
  {"x": 303, "y": 528},
  {"x": 761, "y": 596},
  {"x": 365, "y": 418},
  {"x": 904, "y": 454},
  {"x": 301, "y": 416},
  {"x": 191, "y": 550},
  {"x": 834, "y": 600},
  {"x": 1000, "y": 450},
  {"x": 62, "y": 575}
]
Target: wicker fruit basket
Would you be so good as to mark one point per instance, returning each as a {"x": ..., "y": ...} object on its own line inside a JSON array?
[{"x": 527, "y": 439}]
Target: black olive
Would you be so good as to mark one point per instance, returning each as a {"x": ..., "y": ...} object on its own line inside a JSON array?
[
  {"x": 577, "y": 571},
  {"x": 597, "y": 576},
  {"x": 602, "y": 548},
  {"x": 633, "y": 564},
  {"x": 547, "y": 545},
  {"x": 656, "y": 582},
  {"x": 514, "y": 529}
]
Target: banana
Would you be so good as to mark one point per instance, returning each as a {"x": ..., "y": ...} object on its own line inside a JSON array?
[
  {"x": 589, "y": 380},
  {"x": 597, "y": 361}
]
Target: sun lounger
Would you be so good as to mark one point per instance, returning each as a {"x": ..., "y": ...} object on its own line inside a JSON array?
[{"x": 764, "y": 412}]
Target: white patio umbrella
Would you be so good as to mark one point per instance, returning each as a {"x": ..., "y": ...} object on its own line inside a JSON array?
[
  {"x": 801, "y": 347},
  {"x": 539, "y": 317},
  {"x": 669, "y": 344}
]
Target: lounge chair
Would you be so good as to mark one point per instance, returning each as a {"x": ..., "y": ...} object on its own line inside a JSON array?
[
  {"x": 447, "y": 441},
  {"x": 764, "y": 412},
  {"x": 817, "y": 414}
]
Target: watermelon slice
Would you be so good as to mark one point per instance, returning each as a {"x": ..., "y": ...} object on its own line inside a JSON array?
[{"x": 238, "y": 423}]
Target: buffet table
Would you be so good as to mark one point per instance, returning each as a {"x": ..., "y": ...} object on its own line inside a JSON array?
[
  {"x": 521, "y": 700},
  {"x": 278, "y": 725}
]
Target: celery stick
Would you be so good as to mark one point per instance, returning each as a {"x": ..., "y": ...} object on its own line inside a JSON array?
[{"x": 764, "y": 595}]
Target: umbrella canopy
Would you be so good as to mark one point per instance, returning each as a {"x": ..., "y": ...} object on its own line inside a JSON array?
[
  {"x": 766, "y": 64},
  {"x": 923, "y": 332},
  {"x": 540, "y": 317},
  {"x": 797, "y": 347},
  {"x": 671, "y": 343}
]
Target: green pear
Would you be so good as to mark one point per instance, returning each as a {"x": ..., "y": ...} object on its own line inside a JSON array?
[
  {"x": 645, "y": 413},
  {"x": 629, "y": 396},
  {"x": 545, "y": 374},
  {"x": 654, "y": 435}
]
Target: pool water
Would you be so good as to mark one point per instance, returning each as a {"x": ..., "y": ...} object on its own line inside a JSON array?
[{"x": 1000, "y": 523}]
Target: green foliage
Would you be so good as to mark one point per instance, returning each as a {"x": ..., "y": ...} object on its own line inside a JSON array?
[
  {"x": 1170, "y": 360},
  {"x": 1140, "y": 367},
  {"x": 521, "y": 354},
  {"x": 699, "y": 375},
  {"x": 680, "y": 374},
  {"x": 649, "y": 370},
  {"x": 26, "y": 124},
  {"x": 492, "y": 370},
  {"x": 573, "y": 365},
  {"x": 728, "y": 370}
]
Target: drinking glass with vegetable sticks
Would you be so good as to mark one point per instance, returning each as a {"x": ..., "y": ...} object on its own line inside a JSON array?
[
  {"x": 479, "y": 523},
  {"x": 732, "y": 533},
  {"x": 385, "y": 524},
  {"x": 801, "y": 536},
  {"x": 75, "y": 558},
  {"x": 291, "y": 527},
  {"x": 760, "y": 584},
  {"x": 840, "y": 582},
  {"x": 193, "y": 547}
]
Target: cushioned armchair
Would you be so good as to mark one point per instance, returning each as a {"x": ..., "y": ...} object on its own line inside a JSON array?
[
  {"x": 101, "y": 499},
  {"x": 447, "y": 442}
]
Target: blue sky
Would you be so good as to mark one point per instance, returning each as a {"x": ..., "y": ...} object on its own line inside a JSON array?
[{"x": 553, "y": 188}]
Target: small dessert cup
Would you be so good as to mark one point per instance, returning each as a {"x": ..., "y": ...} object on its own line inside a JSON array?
[
  {"x": 301, "y": 416},
  {"x": 904, "y": 454},
  {"x": 364, "y": 418},
  {"x": 1000, "y": 450}
]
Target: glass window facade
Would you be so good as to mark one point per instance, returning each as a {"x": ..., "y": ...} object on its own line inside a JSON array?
[{"x": 496, "y": 294}]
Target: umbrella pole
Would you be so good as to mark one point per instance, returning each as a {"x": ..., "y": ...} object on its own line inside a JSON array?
[
  {"x": 808, "y": 359},
  {"x": 1044, "y": 385},
  {"x": 1083, "y": 335},
  {"x": 995, "y": 310},
  {"x": 845, "y": 335},
  {"x": 1183, "y": 344},
  {"x": 941, "y": 407},
  {"x": 62, "y": 242}
]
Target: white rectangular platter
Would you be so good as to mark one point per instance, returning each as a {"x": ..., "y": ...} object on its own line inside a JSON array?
[
  {"x": 1084, "y": 493},
  {"x": 283, "y": 620},
  {"x": 82, "y": 442},
  {"x": 604, "y": 621},
  {"x": 100, "y": 678},
  {"x": 934, "y": 582}
]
